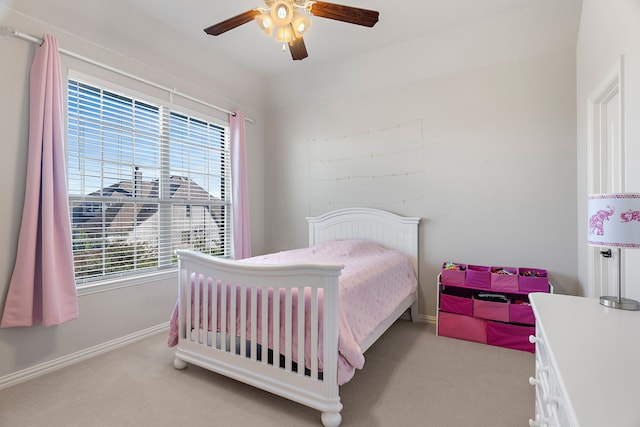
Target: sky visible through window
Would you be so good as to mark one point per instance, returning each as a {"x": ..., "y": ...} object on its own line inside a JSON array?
[{"x": 109, "y": 135}]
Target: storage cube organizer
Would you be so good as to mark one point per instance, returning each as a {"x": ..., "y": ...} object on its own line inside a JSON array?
[
  {"x": 533, "y": 280},
  {"x": 504, "y": 279},
  {"x": 491, "y": 310},
  {"x": 478, "y": 276},
  {"x": 476, "y": 303},
  {"x": 453, "y": 276},
  {"x": 462, "y": 327},
  {"x": 454, "y": 304}
]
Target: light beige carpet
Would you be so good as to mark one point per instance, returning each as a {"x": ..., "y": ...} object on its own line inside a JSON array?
[{"x": 411, "y": 378}]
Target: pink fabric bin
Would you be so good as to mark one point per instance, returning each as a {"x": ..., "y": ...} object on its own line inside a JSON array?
[
  {"x": 454, "y": 304},
  {"x": 521, "y": 313},
  {"x": 462, "y": 327},
  {"x": 538, "y": 282},
  {"x": 504, "y": 282},
  {"x": 491, "y": 310},
  {"x": 453, "y": 277},
  {"x": 478, "y": 276},
  {"x": 510, "y": 336}
]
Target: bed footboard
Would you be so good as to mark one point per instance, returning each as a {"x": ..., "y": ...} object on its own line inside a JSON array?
[{"x": 243, "y": 321}]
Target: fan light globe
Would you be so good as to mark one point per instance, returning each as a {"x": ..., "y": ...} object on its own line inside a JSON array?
[
  {"x": 284, "y": 34},
  {"x": 300, "y": 23},
  {"x": 281, "y": 13},
  {"x": 264, "y": 22}
]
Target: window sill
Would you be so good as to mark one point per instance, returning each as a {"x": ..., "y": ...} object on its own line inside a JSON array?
[{"x": 125, "y": 282}]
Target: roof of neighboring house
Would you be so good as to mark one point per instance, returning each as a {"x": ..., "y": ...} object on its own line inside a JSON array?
[{"x": 123, "y": 214}]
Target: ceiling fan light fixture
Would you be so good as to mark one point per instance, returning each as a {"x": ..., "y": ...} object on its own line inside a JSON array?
[{"x": 288, "y": 20}]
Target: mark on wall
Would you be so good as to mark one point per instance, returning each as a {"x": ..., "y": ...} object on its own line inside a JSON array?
[{"x": 381, "y": 167}]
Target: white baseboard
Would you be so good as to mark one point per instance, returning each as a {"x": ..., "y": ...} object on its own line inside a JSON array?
[
  {"x": 421, "y": 317},
  {"x": 427, "y": 318},
  {"x": 70, "y": 359}
]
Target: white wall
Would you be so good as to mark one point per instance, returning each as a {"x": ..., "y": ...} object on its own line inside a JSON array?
[
  {"x": 607, "y": 30},
  {"x": 481, "y": 120},
  {"x": 488, "y": 110},
  {"x": 113, "y": 314}
]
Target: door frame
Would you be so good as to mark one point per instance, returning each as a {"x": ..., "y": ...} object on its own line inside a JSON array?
[{"x": 605, "y": 168}]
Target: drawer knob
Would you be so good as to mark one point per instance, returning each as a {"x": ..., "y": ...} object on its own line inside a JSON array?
[
  {"x": 534, "y": 381},
  {"x": 533, "y": 339},
  {"x": 538, "y": 422}
]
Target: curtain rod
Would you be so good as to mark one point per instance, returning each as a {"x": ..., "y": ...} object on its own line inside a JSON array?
[{"x": 8, "y": 31}]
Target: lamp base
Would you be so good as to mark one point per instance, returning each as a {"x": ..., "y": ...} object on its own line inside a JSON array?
[{"x": 620, "y": 303}]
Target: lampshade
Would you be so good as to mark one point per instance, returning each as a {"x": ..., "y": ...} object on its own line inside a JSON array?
[{"x": 614, "y": 220}]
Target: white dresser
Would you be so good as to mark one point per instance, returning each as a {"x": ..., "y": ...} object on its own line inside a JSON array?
[{"x": 587, "y": 363}]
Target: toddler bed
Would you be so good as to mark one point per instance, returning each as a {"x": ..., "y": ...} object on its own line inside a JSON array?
[{"x": 241, "y": 318}]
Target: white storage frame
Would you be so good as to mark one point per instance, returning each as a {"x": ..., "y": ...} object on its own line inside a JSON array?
[{"x": 237, "y": 358}]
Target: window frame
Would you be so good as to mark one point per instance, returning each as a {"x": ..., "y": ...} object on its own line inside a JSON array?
[{"x": 108, "y": 282}]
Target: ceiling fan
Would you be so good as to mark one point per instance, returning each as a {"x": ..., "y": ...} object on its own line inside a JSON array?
[{"x": 290, "y": 20}]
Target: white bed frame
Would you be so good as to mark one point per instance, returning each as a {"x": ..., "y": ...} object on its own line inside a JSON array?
[{"x": 239, "y": 358}]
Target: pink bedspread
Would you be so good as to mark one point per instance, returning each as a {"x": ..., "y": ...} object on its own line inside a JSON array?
[{"x": 373, "y": 283}]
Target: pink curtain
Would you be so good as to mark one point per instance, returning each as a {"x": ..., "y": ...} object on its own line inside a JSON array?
[
  {"x": 42, "y": 287},
  {"x": 240, "y": 194}
]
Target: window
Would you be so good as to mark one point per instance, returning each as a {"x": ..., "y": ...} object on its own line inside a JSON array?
[{"x": 144, "y": 180}]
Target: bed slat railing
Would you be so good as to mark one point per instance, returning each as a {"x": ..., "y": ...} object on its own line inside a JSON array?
[
  {"x": 287, "y": 330},
  {"x": 301, "y": 328},
  {"x": 273, "y": 323},
  {"x": 265, "y": 321},
  {"x": 314, "y": 333}
]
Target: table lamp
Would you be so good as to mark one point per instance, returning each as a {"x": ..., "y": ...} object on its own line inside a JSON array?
[{"x": 614, "y": 221}]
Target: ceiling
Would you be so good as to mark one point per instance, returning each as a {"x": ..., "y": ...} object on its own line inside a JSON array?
[{"x": 106, "y": 22}]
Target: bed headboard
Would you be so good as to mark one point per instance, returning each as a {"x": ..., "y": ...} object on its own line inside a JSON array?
[{"x": 390, "y": 230}]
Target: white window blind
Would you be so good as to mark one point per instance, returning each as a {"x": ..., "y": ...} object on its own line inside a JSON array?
[{"x": 144, "y": 180}]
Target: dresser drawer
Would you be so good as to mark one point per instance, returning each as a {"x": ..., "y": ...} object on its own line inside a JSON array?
[
  {"x": 551, "y": 409},
  {"x": 555, "y": 401},
  {"x": 548, "y": 406},
  {"x": 542, "y": 354}
]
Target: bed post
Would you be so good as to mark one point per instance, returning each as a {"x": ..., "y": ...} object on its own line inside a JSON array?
[{"x": 332, "y": 417}]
